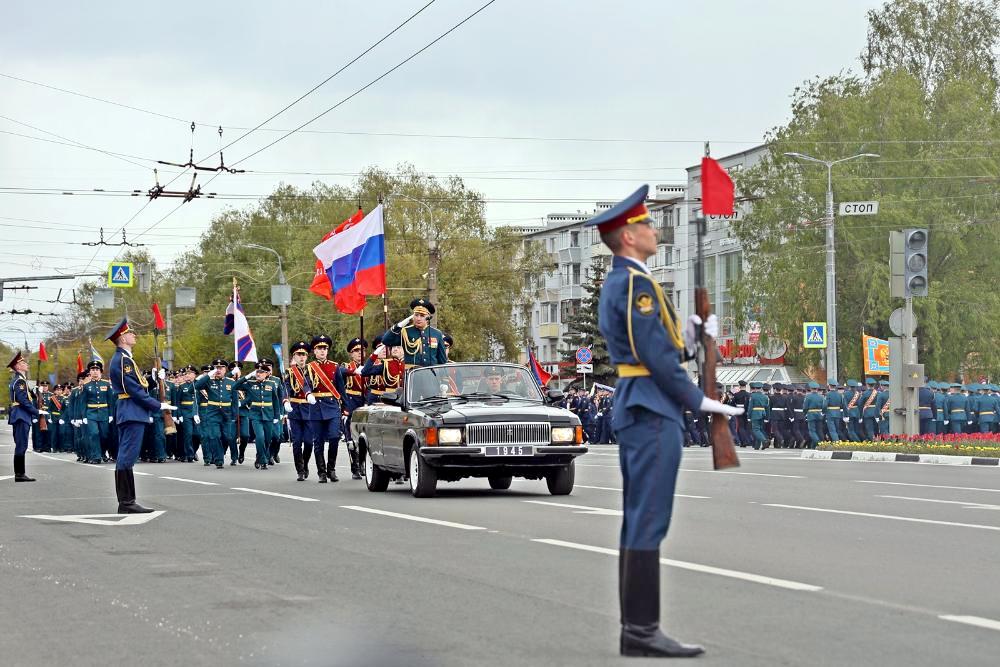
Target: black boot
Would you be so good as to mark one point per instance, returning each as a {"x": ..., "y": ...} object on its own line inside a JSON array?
[
  {"x": 19, "y": 475},
  {"x": 297, "y": 457},
  {"x": 307, "y": 451},
  {"x": 125, "y": 488},
  {"x": 243, "y": 449},
  {"x": 331, "y": 461},
  {"x": 355, "y": 469},
  {"x": 639, "y": 589},
  {"x": 320, "y": 465}
]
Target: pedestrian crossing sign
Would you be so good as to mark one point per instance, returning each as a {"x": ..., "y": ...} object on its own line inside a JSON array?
[
  {"x": 121, "y": 274},
  {"x": 813, "y": 335}
]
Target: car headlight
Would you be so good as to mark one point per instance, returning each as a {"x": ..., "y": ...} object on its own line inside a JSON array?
[
  {"x": 563, "y": 434},
  {"x": 449, "y": 436}
]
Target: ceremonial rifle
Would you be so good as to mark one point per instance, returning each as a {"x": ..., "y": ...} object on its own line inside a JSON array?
[
  {"x": 43, "y": 423},
  {"x": 707, "y": 355},
  {"x": 169, "y": 427}
]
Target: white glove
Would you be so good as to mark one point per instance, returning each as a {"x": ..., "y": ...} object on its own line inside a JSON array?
[
  {"x": 162, "y": 374},
  {"x": 310, "y": 399},
  {"x": 945, "y": 422},
  {"x": 61, "y": 422},
  {"x": 84, "y": 420},
  {"x": 150, "y": 420},
  {"x": 167, "y": 406},
  {"x": 235, "y": 372},
  {"x": 847, "y": 419},
  {"x": 718, "y": 407},
  {"x": 45, "y": 413},
  {"x": 275, "y": 421},
  {"x": 197, "y": 419},
  {"x": 357, "y": 371},
  {"x": 402, "y": 323},
  {"x": 34, "y": 421},
  {"x": 691, "y": 329},
  {"x": 380, "y": 350},
  {"x": 288, "y": 407},
  {"x": 179, "y": 420}
]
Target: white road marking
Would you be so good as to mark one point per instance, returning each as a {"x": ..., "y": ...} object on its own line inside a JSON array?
[
  {"x": 595, "y": 465},
  {"x": 927, "y": 486},
  {"x": 884, "y": 516},
  {"x": 696, "y": 567},
  {"x": 977, "y": 621},
  {"x": 100, "y": 519},
  {"x": 734, "y": 472},
  {"x": 970, "y": 505},
  {"x": 580, "y": 509},
  {"x": 277, "y": 495},
  {"x": 190, "y": 481},
  {"x": 6, "y": 477},
  {"x": 138, "y": 472},
  {"x": 411, "y": 517},
  {"x": 613, "y": 488}
]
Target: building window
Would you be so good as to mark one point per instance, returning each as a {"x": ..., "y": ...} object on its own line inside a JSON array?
[
  {"x": 574, "y": 239},
  {"x": 730, "y": 273}
]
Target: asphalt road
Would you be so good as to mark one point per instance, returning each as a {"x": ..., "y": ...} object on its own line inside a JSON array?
[{"x": 784, "y": 561}]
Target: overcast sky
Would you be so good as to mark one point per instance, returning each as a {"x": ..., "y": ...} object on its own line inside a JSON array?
[{"x": 665, "y": 75}]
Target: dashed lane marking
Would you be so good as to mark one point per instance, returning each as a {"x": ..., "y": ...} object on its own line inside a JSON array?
[
  {"x": 884, "y": 516},
  {"x": 977, "y": 621},
  {"x": 927, "y": 486},
  {"x": 964, "y": 503},
  {"x": 412, "y": 517},
  {"x": 189, "y": 481},
  {"x": 696, "y": 567},
  {"x": 277, "y": 495}
]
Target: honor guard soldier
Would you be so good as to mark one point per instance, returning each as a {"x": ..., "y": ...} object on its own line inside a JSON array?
[
  {"x": 263, "y": 403},
  {"x": 759, "y": 407},
  {"x": 22, "y": 412},
  {"x": 278, "y": 434},
  {"x": 834, "y": 407},
  {"x": 925, "y": 402},
  {"x": 154, "y": 443},
  {"x": 215, "y": 410},
  {"x": 812, "y": 405},
  {"x": 423, "y": 345},
  {"x": 883, "y": 407},
  {"x": 184, "y": 398},
  {"x": 327, "y": 380},
  {"x": 57, "y": 426},
  {"x": 355, "y": 388},
  {"x": 741, "y": 399},
  {"x": 852, "y": 410},
  {"x": 40, "y": 429},
  {"x": 74, "y": 417},
  {"x": 385, "y": 373},
  {"x": 299, "y": 398},
  {"x": 956, "y": 408},
  {"x": 375, "y": 383},
  {"x": 133, "y": 408},
  {"x": 869, "y": 413},
  {"x": 98, "y": 415},
  {"x": 644, "y": 340},
  {"x": 779, "y": 416}
]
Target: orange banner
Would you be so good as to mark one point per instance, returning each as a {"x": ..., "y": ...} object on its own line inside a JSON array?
[{"x": 876, "y": 355}]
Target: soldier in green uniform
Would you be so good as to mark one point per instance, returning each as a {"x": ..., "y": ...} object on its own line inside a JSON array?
[
  {"x": 869, "y": 413},
  {"x": 834, "y": 411},
  {"x": 277, "y": 433},
  {"x": 73, "y": 416},
  {"x": 215, "y": 411},
  {"x": 956, "y": 407},
  {"x": 97, "y": 404},
  {"x": 852, "y": 410},
  {"x": 883, "y": 407},
  {"x": 263, "y": 404},
  {"x": 187, "y": 413},
  {"x": 423, "y": 345},
  {"x": 759, "y": 406},
  {"x": 813, "y": 404}
]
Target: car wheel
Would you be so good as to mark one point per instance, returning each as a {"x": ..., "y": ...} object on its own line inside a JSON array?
[
  {"x": 376, "y": 479},
  {"x": 560, "y": 481},
  {"x": 423, "y": 478},
  {"x": 500, "y": 482}
]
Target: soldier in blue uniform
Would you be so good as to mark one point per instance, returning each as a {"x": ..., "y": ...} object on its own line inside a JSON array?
[
  {"x": 327, "y": 381},
  {"x": 355, "y": 387},
  {"x": 22, "y": 413},
  {"x": 834, "y": 411},
  {"x": 423, "y": 345},
  {"x": 298, "y": 399},
  {"x": 925, "y": 401},
  {"x": 133, "y": 409},
  {"x": 852, "y": 410},
  {"x": 869, "y": 413},
  {"x": 812, "y": 405},
  {"x": 646, "y": 343},
  {"x": 883, "y": 406}
]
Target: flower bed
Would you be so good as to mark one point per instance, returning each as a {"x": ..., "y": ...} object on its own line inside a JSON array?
[{"x": 949, "y": 444}]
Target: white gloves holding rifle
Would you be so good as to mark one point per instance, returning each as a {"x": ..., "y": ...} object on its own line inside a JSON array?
[
  {"x": 718, "y": 407},
  {"x": 167, "y": 406},
  {"x": 691, "y": 330}
]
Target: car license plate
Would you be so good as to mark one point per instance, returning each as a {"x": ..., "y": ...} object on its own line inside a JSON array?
[{"x": 510, "y": 450}]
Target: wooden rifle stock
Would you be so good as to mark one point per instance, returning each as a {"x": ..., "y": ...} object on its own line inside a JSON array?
[
  {"x": 43, "y": 423},
  {"x": 169, "y": 427},
  {"x": 723, "y": 449}
]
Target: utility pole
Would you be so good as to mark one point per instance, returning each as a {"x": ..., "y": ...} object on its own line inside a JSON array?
[{"x": 432, "y": 270}]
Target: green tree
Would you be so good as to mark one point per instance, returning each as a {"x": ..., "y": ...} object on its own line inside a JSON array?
[
  {"x": 938, "y": 142},
  {"x": 582, "y": 331}
]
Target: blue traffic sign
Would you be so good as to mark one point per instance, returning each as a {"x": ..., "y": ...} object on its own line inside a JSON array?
[
  {"x": 814, "y": 334},
  {"x": 584, "y": 355},
  {"x": 121, "y": 274}
]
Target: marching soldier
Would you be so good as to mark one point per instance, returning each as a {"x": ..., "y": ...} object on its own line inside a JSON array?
[
  {"x": 834, "y": 407},
  {"x": 215, "y": 411},
  {"x": 779, "y": 416},
  {"x": 98, "y": 415},
  {"x": 22, "y": 413},
  {"x": 645, "y": 342},
  {"x": 40, "y": 429},
  {"x": 869, "y": 412},
  {"x": 759, "y": 406},
  {"x": 133, "y": 409},
  {"x": 925, "y": 401},
  {"x": 852, "y": 410},
  {"x": 812, "y": 405},
  {"x": 423, "y": 345},
  {"x": 355, "y": 388},
  {"x": 327, "y": 380},
  {"x": 883, "y": 407},
  {"x": 263, "y": 405},
  {"x": 299, "y": 399},
  {"x": 741, "y": 399}
]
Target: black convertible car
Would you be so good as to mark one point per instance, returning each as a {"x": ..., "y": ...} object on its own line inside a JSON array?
[{"x": 467, "y": 420}]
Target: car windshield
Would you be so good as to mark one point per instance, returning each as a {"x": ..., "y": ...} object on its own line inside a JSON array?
[{"x": 463, "y": 380}]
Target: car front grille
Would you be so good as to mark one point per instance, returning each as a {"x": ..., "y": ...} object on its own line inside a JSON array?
[{"x": 508, "y": 433}]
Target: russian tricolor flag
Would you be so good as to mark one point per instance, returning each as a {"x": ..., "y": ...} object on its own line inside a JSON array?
[
  {"x": 236, "y": 323},
  {"x": 354, "y": 258},
  {"x": 542, "y": 377}
]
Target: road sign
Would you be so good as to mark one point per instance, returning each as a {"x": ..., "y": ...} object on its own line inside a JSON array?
[
  {"x": 584, "y": 355},
  {"x": 814, "y": 335},
  {"x": 583, "y": 369},
  {"x": 896, "y": 323},
  {"x": 121, "y": 274},
  {"x": 858, "y": 208},
  {"x": 99, "y": 519}
]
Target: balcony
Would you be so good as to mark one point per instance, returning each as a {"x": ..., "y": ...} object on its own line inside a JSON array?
[
  {"x": 550, "y": 330},
  {"x": 600, "y": 250},
  {"x": 570, "y": 255},
  {"x": 665, "y": 235}
]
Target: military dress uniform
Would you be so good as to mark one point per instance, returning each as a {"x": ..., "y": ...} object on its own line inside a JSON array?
[
  {"x": 327, "y": 380},
  {"x": 263, "y": 406},
  {"x": 216, "y": 411},
  {"x": 21, "y": 412},
  {"x": 154, "y": 441},
  {"x": 355, "y": 388},
  {"x": 53, "y": 404},
  {"x": 187, "y": 408},
  {"x": 759, "y": 407},
  {"x": 421, "y": 347},
  {"x": 834, "y": 411},
  {"x": 298, "y": 392},
  {"x": 644, "y": 341},
  {"x": 869, "y": 412},
  {"x": 852, "y": 410},
  {"x": 41, "y": 438},
  {"x": 812, "y": 405},
  {"x": 883, "y": 406},
  {"x": 98, "y": 403}
]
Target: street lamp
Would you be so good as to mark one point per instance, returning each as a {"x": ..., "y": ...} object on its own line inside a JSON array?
[
  {"x": 281, "y": 295},
  {"x": 432, "y": 260},
  {"x": 831, "y": 261}
]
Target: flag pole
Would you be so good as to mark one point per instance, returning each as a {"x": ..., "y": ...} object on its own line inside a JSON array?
[
  {"x": 361, "y": 319},
  {"x": 236, "y": 341}
]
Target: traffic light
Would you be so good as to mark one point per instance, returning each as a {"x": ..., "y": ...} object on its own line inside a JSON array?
[{"x": 915, "y": 262}]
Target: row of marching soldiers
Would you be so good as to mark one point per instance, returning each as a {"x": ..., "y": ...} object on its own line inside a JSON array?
[{"x": 222, "y": 410}]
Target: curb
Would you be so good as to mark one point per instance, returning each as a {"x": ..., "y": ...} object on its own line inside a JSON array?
[{"x": 889, "y": 457}]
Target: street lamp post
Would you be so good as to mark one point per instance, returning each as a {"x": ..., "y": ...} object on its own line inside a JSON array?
[
  {"x": 283, "y": 303},
  {"x": 432, "y": 248},
  {"x": 831, "y": 260}
]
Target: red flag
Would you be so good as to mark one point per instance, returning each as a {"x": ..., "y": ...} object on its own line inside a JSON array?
[
  {"x": 349, "y": 301},
  {"x": 42, "y": 356},
  {"x": 542, "y": 376},
  {"x": 157, "y": 318},
  {"x": 321, "y": 282},
  {"x": 716, "y": 189},
  {"x": 79, "y": 363}
]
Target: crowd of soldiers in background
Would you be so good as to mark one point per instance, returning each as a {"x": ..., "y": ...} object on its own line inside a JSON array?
[
  {"x": 803, "y": 415},
  {"x": 221, "y": 411},
  {"x": 594, "y": 408}
]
